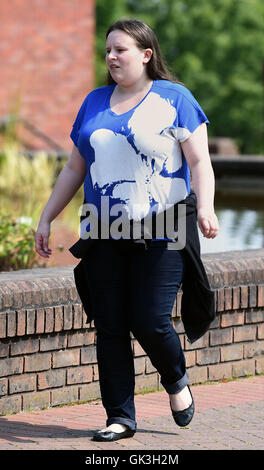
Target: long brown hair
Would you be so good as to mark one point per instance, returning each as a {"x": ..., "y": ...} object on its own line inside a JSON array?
[{"x": 145, "y": 38}]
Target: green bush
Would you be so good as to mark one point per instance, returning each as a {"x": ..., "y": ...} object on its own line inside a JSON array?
[{"x": 17, "y": 243}]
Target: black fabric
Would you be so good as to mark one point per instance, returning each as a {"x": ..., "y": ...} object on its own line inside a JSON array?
[{"x": 198, "y": 299}]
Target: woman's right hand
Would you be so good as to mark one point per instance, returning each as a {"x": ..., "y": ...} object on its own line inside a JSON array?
[{"x": 42, "y": 240}]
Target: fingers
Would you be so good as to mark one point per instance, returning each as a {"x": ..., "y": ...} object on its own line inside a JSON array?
[
  {"x": 42, "y": 245},
  {"x": 209, "y": 226}
]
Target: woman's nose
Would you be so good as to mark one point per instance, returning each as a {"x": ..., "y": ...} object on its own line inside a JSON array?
[{"x": 111, "y": 55}]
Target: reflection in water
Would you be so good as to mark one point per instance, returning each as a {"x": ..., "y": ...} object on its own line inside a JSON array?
[{"x": 241, "y": 226}]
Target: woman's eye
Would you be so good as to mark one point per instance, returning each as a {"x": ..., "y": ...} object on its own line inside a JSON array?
[{"x": 118, "y": 50}]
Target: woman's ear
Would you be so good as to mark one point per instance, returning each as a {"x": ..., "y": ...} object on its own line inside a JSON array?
[{"x": 147, "y": 55}]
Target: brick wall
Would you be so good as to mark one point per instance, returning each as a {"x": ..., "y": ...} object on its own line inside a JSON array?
[
  {"x": 48, "y": 352},
  {"x": 46, "y": 57}
]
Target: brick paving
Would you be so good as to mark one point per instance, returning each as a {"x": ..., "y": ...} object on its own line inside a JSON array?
[{"x": 229, "y": 416}]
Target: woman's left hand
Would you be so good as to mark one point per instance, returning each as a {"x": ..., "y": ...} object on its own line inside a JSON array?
[{"x": 208, "y": 223}]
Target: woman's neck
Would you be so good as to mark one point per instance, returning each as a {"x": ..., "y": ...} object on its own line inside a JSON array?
[{"x": 142, "y": 85}]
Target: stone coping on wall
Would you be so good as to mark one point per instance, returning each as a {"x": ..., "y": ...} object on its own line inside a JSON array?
[{"x": 38, "y": 286}]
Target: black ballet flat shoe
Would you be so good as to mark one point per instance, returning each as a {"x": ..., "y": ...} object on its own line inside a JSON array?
[
  {"x": 183, "y": 417},
  {"x": 111, "y": 435}
]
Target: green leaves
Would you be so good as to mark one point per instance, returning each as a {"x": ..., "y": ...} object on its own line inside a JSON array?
[
  {"x": 216, "y": 48},
  {"x": 17, "y": 241}
]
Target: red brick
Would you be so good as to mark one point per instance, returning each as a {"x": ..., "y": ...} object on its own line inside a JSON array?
[
  {"x": 198, "y": 374},
  {"x": 21, "y": 322},
  {"x": 253, "y": 348},
  {"x": 244, "y": 299},
  {"x": 139, "y": 364},
  {"x": 51, "y": 379},
  {"x": 77, "y": 316},
  {"x": 232, "y": 352},
  {"x": 4, "y": 348},
  {"x": 219, "y": 371},
  {"x": 58, "y": 312},
  {"x": 24, "y": 346},
  {"x": 138, "y": 350},
  {"x": 242, "y": 368},
  {"x": 46, "y": 292},
  {"x": 252, "y": 296},
  {"x": 190, "y": 358},
  {"x": 255, "y": 316},
  {"x": 64, "y": 395},
  {"x": 229, "y": 319},
  {"x": 26, "y": 289},
  {"x": 3, "y": 324},
  {"x": 228, "y": 298},
  {"x": 59, "y": 291},
  {"x": 49, "y": 320},
  {"x": 178, "y": 326},
  {"x": 22, "y": 383},
  {"x": 17, "y": 294},
  {"x": 36, "y": 295},
  {"x": 208, "y": 356},
  {"x": 36, "y": 400},
  {"x": 260, "y": 333},
  {"x": 77, "y": 375},
  {"x": 3, "y": 387},
  {"x": 146, "y": 382},
  {"x": 10, "y": 405},
  {"x": 220, "y": 300},
  {"x": 31, "y": 317},
  {"x": 67, "y": 317},
  {"x": 40, "y": 320},
  {"x": 6, "y": 296},
  {"x": 245, "y": 333},
  {"x": 90, "y": 391},
  {"x": 37, "y": 362},
  {"x": 11, "y": 366},
  {"x": 69, "y": 357},
  {"x": 260, "y": 365},
  {"x": 260, "y": 295},
  {"x": 80, "y": 338},
  {"x": 11, "y": 324},
  {"x": 222, "y": 336},
  {"x": 52, "y": 341},
  {"x": 144, "y": 365},
  {"x": 236, "y": 297},
  {"x": 88, "y": 355}
]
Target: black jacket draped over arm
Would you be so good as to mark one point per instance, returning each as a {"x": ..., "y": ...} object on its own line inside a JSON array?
[{"x": 197, "y": 304}]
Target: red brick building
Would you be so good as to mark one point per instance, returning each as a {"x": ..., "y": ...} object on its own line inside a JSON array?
[{"x": 46, "y": 57}]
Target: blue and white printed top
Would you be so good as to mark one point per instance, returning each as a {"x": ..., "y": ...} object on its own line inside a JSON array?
[{"x": 135, "y": 158}]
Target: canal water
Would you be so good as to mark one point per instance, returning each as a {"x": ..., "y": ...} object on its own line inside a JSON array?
[{"x": 241, "y": 222}]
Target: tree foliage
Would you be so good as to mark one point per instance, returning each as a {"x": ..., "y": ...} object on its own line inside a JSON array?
[{"x": 216, "y": 48}]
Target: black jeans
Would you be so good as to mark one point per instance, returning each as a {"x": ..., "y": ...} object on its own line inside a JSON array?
[{"x": 133, "y": 290}]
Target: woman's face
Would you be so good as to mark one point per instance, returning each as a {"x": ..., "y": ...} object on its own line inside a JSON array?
[{"x": 125, "y": 61}]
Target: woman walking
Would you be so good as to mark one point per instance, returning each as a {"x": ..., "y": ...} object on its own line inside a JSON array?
[{"x": 136, "y": 141}]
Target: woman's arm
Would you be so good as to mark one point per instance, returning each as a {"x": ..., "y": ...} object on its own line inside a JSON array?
[
  {"x": 69, "y": 181},
  {"x": 196, "y": 152}
]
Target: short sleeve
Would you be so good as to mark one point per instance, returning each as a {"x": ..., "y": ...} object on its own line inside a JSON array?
[
  {"x": 190, "y": 116},
  {"x": 74, "y": 135}
]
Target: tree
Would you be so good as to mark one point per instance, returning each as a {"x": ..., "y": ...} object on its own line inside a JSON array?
[{"x": 217, "y": 49}]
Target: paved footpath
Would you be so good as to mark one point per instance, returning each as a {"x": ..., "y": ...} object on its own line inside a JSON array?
[{"x": 229, "y": 416}]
